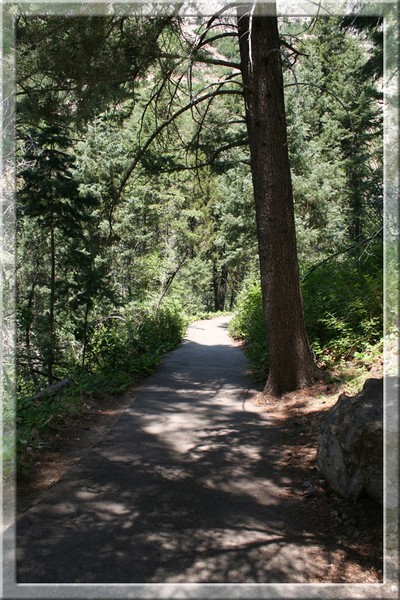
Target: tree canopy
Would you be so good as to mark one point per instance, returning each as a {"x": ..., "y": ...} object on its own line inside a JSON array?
[{"x": 153, "y": 156}]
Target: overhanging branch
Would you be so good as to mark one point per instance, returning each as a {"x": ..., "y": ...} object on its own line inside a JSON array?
[
  {"x": 235, "y": 144},
  {"x": 344, "y": 251},
  {"x": 159, "y": 129}
]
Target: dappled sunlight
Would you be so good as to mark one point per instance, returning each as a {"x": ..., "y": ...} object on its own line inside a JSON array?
[
  {"x": 187, "y": 533},
  {"x": 277, "y": 553},
  {"x": 190, "y": 485},
  {"x": 212, "y": 514}
]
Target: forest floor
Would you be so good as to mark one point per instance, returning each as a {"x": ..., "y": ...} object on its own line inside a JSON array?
[{"x": 354, "y": 533}]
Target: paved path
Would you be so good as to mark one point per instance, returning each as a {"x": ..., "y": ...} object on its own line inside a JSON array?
[
  {"x": 172, "y": 492},
  {"x": 183, "y": 489},
  {"x": 179, "y": 490}
]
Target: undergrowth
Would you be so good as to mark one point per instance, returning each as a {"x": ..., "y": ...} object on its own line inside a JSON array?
[
  {"x": 121, "y": 353},
  {"x": 343, "y": 307}
]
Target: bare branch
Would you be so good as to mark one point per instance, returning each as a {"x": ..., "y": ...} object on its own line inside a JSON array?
[
  {"x": 219, "y": 36},
  {"x": 344, "y": 251},
  {"x": 218, "y": 62},
  {"x": 211, "y": 22},
  {"x": 161, "y": 127},
  {"x": 297, "y": 53},
  {"x": 204, "y": 60}
]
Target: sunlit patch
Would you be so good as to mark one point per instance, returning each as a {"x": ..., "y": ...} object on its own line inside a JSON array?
[
  {"x": 170, "y": 473},
  {"x": 86, "y": 495},
  {"x": 112, "y": 507}
]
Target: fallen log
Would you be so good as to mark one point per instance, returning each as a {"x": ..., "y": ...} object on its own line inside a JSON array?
[{"x": 53, "y": 389}]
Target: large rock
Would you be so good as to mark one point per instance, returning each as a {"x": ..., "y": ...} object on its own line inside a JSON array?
[{"x": 350, "y": 443}]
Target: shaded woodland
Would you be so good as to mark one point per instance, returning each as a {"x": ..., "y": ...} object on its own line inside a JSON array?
[{"x": 136, "y": 179}]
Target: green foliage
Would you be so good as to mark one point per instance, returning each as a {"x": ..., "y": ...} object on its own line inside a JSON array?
[
  {"x": 335, "y": 141},
  {"x": 248, "y": 325},
  {"x": 84, "y": 63},
  {"x": 343, "y": 305},
  {"x": 122, "y": 351},
  {"x": 96, "y": 259},
  {"x": 161, "y": 330},
  {"x": 8, "y": 422},
  {"x": 392, "y": 285},
  {"x": 141, "y": 330},
  {"x": 36, "y": 416}
]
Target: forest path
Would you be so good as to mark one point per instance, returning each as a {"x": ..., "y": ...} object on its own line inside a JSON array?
[{"x": 187, "y": 486}]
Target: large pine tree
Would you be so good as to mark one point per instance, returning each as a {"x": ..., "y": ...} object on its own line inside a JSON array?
[{"x": 291, "y": 364}]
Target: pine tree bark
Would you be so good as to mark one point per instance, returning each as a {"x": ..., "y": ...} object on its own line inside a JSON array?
[{"x": 291, "y": 364}]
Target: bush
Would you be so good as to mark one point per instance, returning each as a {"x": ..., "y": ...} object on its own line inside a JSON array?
[
  {"x": 161, "y": 330},
  {"x": 343, "y": 306},
  {"x": 248, "y": 325},
  {"x": 122, "y": 350},
  {"x": 141, "y": 330}
]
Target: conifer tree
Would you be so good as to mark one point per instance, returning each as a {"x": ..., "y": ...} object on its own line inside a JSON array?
[
  {"x": 291, "y": 364},
  {"x": 50, "y": 196}
]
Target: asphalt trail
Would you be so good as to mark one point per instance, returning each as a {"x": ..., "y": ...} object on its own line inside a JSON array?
[{"x": 182, "y": 488}]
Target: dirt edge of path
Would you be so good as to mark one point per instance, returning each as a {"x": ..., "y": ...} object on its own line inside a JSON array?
[{"x": 65, "y": 446}]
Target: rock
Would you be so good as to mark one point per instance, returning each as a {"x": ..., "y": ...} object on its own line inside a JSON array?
[
  {"x": 309, "y": 491},
  {"x": 350, "y": 443}
]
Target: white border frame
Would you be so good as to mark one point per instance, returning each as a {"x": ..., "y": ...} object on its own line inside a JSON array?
[{"x": 389, "y": 589}]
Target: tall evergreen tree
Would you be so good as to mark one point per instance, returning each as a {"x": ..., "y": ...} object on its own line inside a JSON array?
[
  {"x": 291, "y": 364},
  {"x": 170, "y": 106},
  {"x": 50, "y": 196}
]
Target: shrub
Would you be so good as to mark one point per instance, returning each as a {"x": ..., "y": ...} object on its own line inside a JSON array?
[
  {"x": 123, "y": 349},
  {"x": 141, "y": 330},
  {"x": 343, "y": 304},
  {"x": 161, "y": 330},
  {"x": 343, "y": 307},
  {"x": 248, "y": 325}
]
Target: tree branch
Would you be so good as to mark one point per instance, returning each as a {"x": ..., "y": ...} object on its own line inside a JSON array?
[
  {"x": 235, "y": 144},
  {"x": 218, "y": 62},
  {"x": 170, "y": 279},
  {"x": 206, "y": 41},
  {"x": 344, "y": 251},
  {"x": 161, "y": 127},
  {"x": 204, "y": 60}
]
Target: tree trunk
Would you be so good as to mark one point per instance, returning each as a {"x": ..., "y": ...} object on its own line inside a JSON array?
[
  {"x": 220, "y": 280},
  {"x": 170, "y": 279},
  {"x": 28, "y": 325},
  {"x": 291, "y": 365},
  {"x": 85, "y": 334}
]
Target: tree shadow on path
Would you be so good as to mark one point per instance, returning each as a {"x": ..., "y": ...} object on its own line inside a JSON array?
[{"x": 188, "y": 486}]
